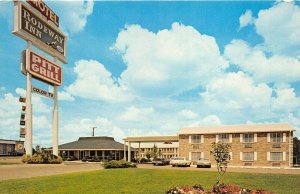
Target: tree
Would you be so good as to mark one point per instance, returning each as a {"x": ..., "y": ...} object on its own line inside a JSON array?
[
  {"x": 296, "y": 150},
  {"x": 148, "y": 155},
  {"x": 154, "y": 152},
  {"x": 221, "y": 154}
]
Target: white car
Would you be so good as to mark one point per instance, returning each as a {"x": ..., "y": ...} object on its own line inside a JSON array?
[
  {"x": 180, "y": 161},
  {"x": 203, "y": 162}
]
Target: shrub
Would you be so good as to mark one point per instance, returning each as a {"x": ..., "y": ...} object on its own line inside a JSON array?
[
  {"x": 144, "y": 160},
  {"x": 71, "y": 158},
  {"x": 39, "y": 158},
  {"x": 118, "y": 164}
]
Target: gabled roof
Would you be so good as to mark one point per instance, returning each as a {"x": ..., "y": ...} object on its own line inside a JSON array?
[
  {"x": 94, "y": 143},
  {"x": 246, "y": 128}
]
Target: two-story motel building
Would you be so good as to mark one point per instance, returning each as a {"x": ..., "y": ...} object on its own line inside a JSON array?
[{"x": 256, "y": 145}]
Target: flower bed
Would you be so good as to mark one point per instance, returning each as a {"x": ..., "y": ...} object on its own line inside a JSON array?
[{"x": 217, "y": 189}]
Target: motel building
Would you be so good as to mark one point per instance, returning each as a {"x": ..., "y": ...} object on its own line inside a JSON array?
[
  {"x": 11, "y": 147},
  {"x": 166, "y": 150},
  {"x": 252, "y": 145},
  {"x": 104, "y": 148}
]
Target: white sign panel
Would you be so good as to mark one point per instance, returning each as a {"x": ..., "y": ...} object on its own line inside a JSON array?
[
  {"x": 31, "y": 26},
  {"x": 43, "y": 69},
  {"x": 42, "y": 92}
]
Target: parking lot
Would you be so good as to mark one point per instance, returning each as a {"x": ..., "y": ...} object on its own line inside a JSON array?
[{"x": 13, "y": 168}]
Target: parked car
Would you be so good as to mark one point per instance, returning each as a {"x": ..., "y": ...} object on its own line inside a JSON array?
[
  {"x": 160, "y": 161},
  {"x": 203, "y": 162},
  {"x": 180, "y": 161}
]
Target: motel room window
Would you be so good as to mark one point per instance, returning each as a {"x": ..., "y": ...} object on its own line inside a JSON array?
[
  {"x": 248, "y": 156},
  {"x": 224, "y": 138},
  {"x": 196, "y": 139},
  {"x": 248, "y": 137},
  {"x": 276, "y": 137},
  {"x": 195, "y": 156},
  {"x": 276, "y": 156}
]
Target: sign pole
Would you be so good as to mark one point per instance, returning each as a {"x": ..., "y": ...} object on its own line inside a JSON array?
[
  {"x": 55, "y": 120},
  {"x": 28, "y": 136}
]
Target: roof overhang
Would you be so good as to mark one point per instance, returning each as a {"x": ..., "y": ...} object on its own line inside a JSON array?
[
  {"x": 152, "y": 139},
  {"x": 247, "y": 128}
]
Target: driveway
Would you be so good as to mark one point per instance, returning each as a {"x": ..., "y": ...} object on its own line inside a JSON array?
[{"x": 17, "y": 171}]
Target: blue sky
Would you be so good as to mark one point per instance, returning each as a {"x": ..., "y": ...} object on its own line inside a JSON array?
[{"x": 150, "y": 68}]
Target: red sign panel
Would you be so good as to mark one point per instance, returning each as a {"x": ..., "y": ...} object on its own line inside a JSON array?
[
  {"x": 43, "y": 69},
  {"x": 45, "y": 10}
]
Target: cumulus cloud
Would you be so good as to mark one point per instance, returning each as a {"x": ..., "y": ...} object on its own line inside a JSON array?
[
  {"x": 10, "y": 112},
  {"x": 286, "y": 100},
  {"x": 187, "y": 114},
  {"x": 73, "y": 14},
  {"x": 37, "y": 103},
  {"x": 83, "y": 128},
  {"x": 65, "y": 96},
  {"x": 280, "y": 28},
  {"x": 96, "y": 83},
  {"x": 246, "y": 19},
  {"x": 137, "y": 114},
  {"x": 168, "y": 62},
  {"x": 210, "y": 120},
  {"x": 41, "y": 122},
  {"x": 254, "y": 61},
  {"x": 237, "y": 91}
]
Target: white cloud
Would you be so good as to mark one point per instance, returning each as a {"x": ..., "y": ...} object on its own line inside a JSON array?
[
  {"x": 254, "y": 61},
  {"x": 41, "y": 122},
  {"x": 286, "y": 100},
  {"x": 237, "y": 91},
  {"x": 96, "y": 83},
  {"x": 10, "y": 112},
  {"x": 280, "y": 28},
  {"x": 246, "y": 19},
  {"x": 137, "y": 114},
  {"x": 168, "y": 62},
  {"x": 210, "y": 120},
  {"x": 73, "y": 14},
  {"x": 187, "y": 114},
  {"x": 37, "y": 103},
  {"x": 65, "y": 96},
  {"x": 83, "y": 128}
]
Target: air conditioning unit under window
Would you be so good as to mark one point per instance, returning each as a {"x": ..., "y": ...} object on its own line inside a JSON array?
[
  {"x": 248, "y": 145},
  {"x": 276, "y": 145}
]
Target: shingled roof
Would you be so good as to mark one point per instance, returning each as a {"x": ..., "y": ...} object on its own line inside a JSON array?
[{"x": 94, "y": 143}]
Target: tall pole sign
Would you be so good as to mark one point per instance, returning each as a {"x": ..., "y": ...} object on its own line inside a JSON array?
[
  {"x": 39, "y": 26},
  {"x": 32, "y": 26}
]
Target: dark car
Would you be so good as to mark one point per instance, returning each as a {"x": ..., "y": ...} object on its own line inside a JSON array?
[{"x": 160, "y": 162}]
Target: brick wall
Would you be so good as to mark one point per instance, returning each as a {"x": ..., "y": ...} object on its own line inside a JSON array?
[{"x": 261, "y": 148}]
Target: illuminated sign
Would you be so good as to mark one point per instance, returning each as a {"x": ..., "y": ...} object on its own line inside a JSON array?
[
  {"x": 42, "y": 68},
  {"x": 45, "y": 10},
  {"x": 31, "y": 27}
]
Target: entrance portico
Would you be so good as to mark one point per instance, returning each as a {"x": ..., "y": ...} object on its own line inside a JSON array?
[{"x": 147, "y": 139}]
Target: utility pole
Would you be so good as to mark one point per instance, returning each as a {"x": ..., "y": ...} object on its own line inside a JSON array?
[{"x": 93, "y": 131}]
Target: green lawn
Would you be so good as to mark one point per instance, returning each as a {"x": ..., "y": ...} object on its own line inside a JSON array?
[{"x": 117, "y": 181}]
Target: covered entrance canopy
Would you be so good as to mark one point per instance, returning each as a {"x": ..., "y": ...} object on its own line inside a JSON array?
[{"x": 146, "y": 139}]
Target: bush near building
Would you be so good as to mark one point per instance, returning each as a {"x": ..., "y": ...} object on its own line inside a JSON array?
[
  {"x": 39, "y": 158},
  {"x": 118, "y": 164}
]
